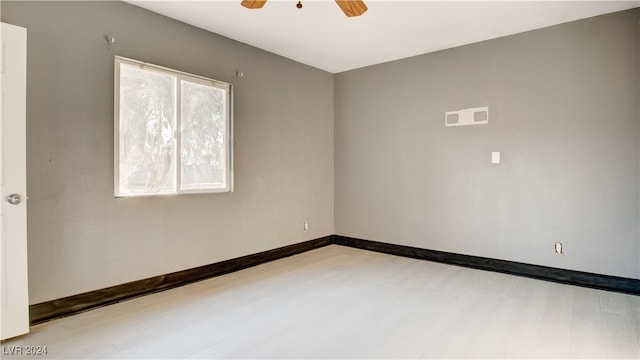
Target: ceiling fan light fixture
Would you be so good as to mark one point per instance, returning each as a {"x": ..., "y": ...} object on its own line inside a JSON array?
[{"x": 350, "y": 8}]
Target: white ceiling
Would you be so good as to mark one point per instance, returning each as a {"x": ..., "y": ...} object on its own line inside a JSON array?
[{"x": 320, "y": 35}]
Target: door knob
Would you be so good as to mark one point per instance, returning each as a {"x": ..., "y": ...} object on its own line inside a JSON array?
[{"x": 14, "y": 199}]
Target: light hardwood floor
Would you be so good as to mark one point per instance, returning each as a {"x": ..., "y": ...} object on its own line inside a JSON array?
[{"x": 338, "y": 302}]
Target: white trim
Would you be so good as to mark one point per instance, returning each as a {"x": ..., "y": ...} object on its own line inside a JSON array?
[
  {"x": 144, "y": 65},
  {"x": 177, "y": 135},
  {"x": 116, "y": 128},
  {"x": 231, "y": 142}
]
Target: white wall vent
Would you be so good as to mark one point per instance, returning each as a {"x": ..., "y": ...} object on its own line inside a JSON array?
[{"x": 471, "y": 116}]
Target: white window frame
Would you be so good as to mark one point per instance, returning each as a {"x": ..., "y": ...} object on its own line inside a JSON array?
[{"x": 228, "y": 131}]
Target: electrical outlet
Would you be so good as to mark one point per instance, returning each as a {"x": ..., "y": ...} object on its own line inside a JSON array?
[
  {"x": 305, "y": 226},
  {"x": 558, "y": 247}
]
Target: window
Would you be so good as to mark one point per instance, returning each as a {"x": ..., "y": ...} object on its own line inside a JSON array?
[{"x": 172, "y": 132}]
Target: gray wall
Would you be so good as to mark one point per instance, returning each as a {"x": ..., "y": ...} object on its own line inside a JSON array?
[
  {"x": 564, "y": 113},
  {"x": 80, "y": 237}
]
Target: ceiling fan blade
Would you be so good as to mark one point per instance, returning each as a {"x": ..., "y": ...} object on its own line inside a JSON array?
[
  {"x": 352, "y": 7},
  {"x": 253, "y": 4}
]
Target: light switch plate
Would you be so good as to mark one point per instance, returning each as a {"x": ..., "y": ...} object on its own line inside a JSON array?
[{"x": 495, "y": 157}]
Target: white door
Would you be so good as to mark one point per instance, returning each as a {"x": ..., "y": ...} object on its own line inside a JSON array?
[{"x": 13, "y": 180}]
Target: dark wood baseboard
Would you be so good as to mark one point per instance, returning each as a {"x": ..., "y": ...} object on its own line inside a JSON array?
[
  {"x": 74, "y": 304},
  {"x": 571, "y": 277}
]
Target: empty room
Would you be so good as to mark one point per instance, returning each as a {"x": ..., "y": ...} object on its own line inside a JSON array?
[{"x": 320, "y": 179}]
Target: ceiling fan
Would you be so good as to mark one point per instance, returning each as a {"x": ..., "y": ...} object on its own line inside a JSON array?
[{"x": 349, "y": 7}]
